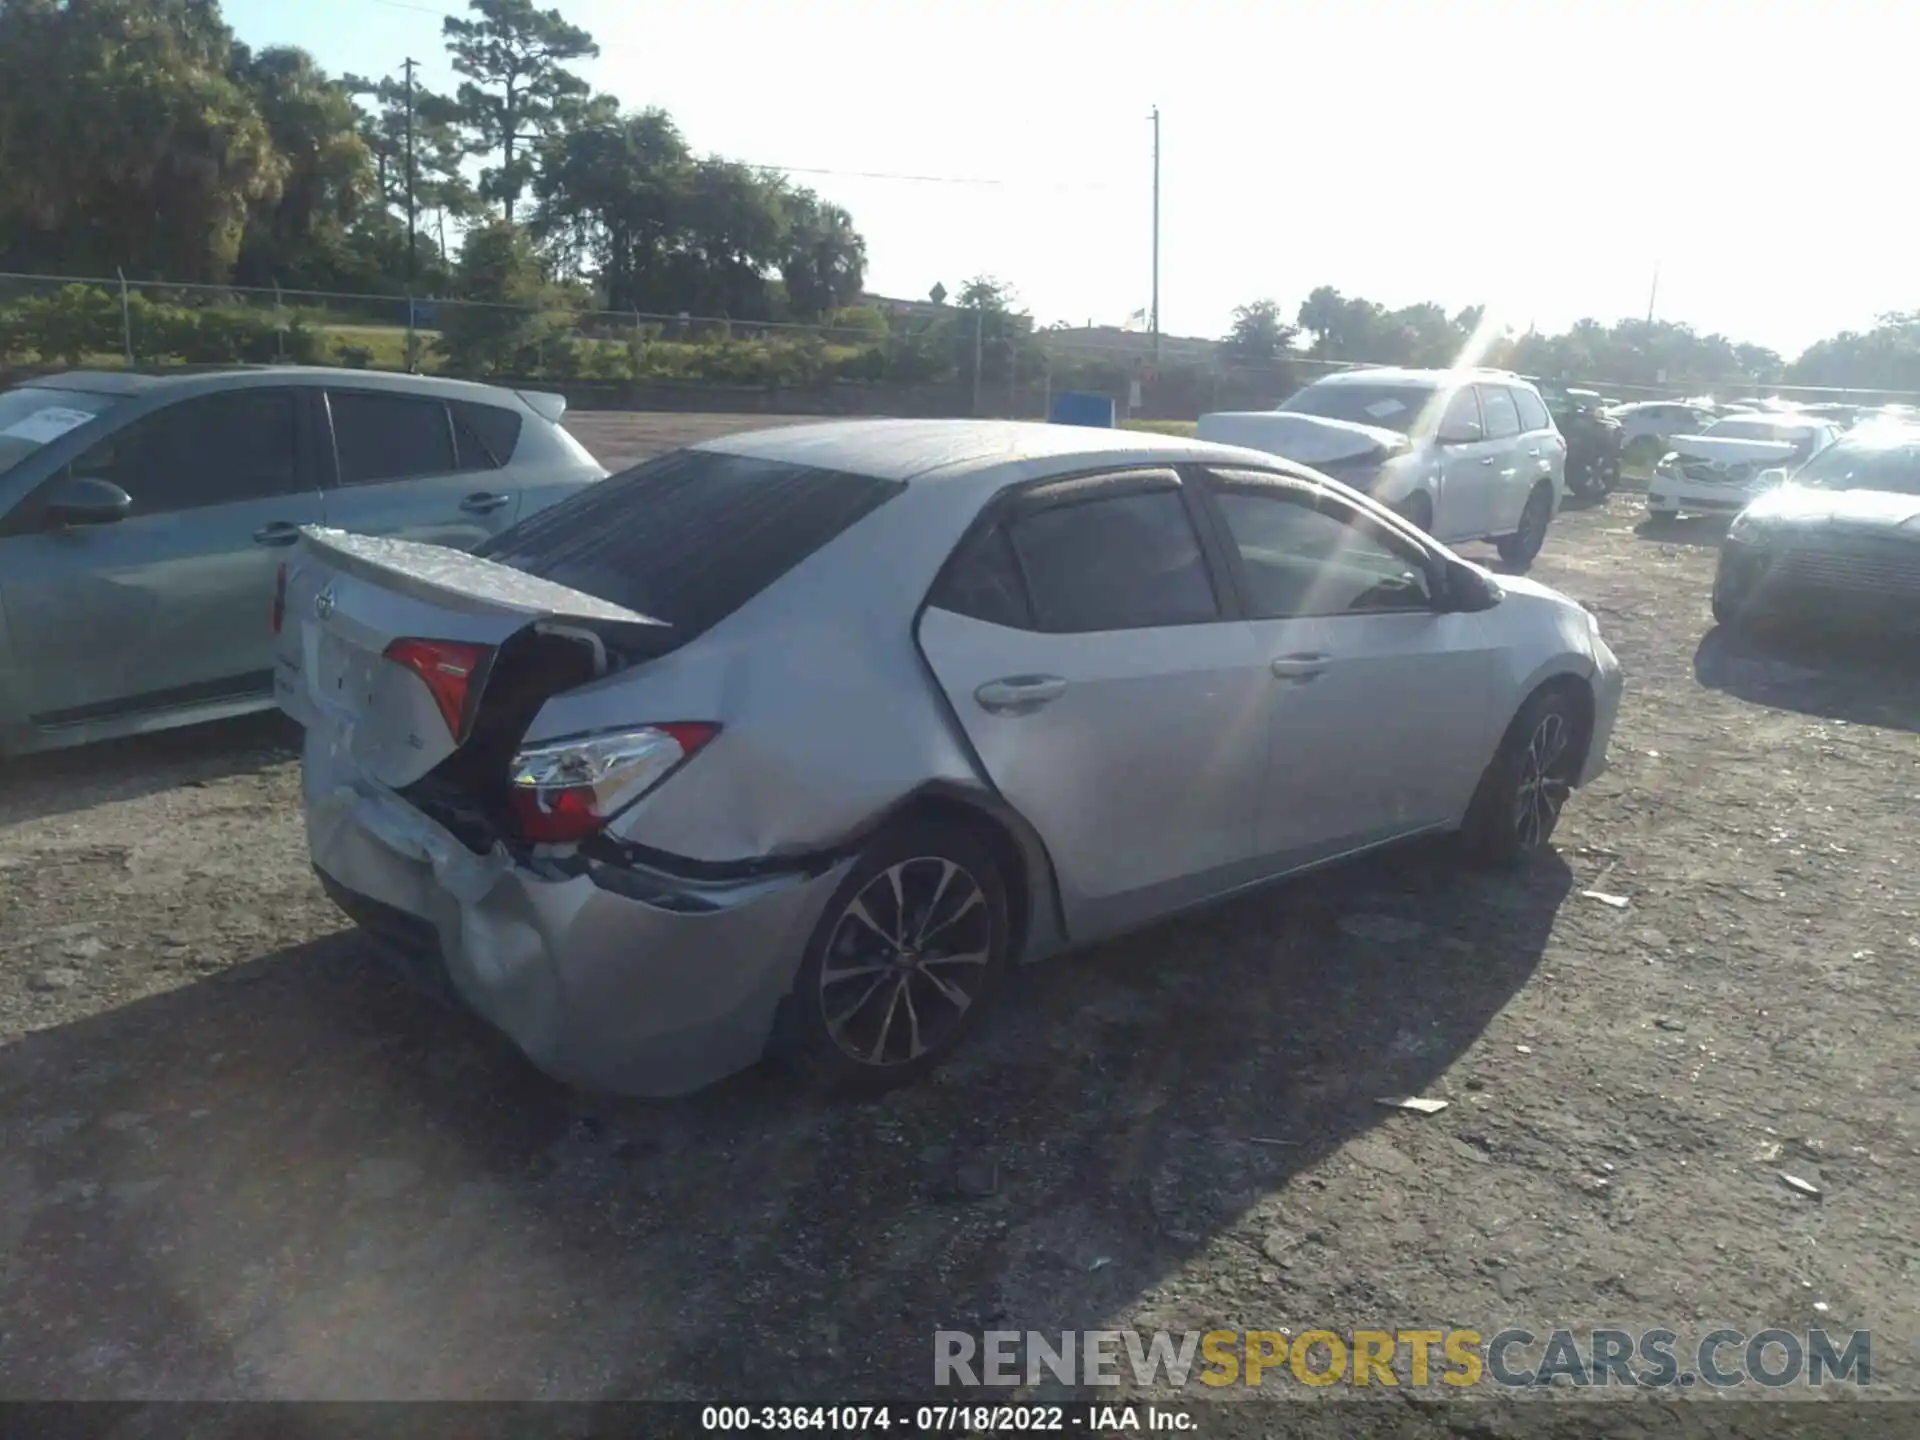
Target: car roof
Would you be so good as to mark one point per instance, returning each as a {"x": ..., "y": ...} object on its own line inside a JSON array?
[
  {"x": 906, "y": 449},
  {"x": 196, "y": 381}
]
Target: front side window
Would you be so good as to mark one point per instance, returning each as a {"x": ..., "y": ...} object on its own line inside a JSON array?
[
  {"x": 1307, "y": 554},
  {"x": 1461, "y": 422},
  {"x": 1502, "y": 416},
  {"x": 390, "y": 437},
  {"x": 214, "y": 450},
  {"x": 1123, "y": 562}
]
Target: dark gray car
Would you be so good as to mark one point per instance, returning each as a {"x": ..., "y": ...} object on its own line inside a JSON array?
[{"x": 143, "y": 519}]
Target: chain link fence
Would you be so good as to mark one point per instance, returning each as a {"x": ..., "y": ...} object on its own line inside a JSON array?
[{"x": 862, "y": 360}]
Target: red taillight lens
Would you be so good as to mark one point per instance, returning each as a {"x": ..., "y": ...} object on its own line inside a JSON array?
[
  {"x": 566, "y": 790},
  {"x": 447, "y": 668},
  {"x": 280, "y": 599}
]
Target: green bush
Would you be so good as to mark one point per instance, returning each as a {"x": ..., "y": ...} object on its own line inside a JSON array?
[{"x": 74, "y": 322}]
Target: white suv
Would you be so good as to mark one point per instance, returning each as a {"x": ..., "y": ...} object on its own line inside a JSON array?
[{"x": 1463, "y": 454}]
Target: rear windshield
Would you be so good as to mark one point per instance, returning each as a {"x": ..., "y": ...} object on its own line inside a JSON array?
[
  {"x": 691, "y": 536},
  {"x": 1390, "y": 407},
  {"x": 32, "y": 415}
]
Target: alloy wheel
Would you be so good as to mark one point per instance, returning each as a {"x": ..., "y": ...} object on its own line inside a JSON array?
[
  {"x": 906, "y": 961},
  {"x": 1544, "y": 784}
]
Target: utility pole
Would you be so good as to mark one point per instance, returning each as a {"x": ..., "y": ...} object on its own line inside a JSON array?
[
  {"x": 412, "y": 257},
  {"x": 1651, "y": 294},
  {"x": 1155, "y": 117}
]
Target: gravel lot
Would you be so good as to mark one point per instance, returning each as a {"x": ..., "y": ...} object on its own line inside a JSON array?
[{"x": 238, "y": 1161}]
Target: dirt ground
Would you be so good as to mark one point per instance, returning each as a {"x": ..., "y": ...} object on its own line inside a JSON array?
[{"x": 237, "y": 1160}]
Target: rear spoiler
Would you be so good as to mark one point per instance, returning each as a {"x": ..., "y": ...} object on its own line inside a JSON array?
[{"x": 545, "y": 404}]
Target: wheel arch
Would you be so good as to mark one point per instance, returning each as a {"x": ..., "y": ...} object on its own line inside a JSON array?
[{"x": 1035, "y": 914}]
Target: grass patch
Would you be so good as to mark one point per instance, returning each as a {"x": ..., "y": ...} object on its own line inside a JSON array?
[{"x": 1185, "y": 429}]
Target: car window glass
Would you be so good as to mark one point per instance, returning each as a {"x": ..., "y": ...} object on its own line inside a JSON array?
[
  {"x": 1123, "y": 563},
  {"x": 1301, "y": 555},
  {"x": 983, "y": 581},
  {"x": 1502, "y": 419},
  {"x": 1533, "y": 414},
  {"x": 214, "y": 450},
  {"x": 389, "y": 437},
  {"x": 1461, "y": 421},
  {"x": 484, "y": 435}
]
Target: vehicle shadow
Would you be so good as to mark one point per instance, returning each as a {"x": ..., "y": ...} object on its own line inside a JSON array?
[
  {"x": 1863, "y": 679},
  {"x": 59, "y": 782},
  {"x": 296, "y": 1180},
  {"x": 1705, "y": 531}
]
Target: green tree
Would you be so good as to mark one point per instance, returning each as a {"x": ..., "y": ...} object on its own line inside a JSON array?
[
  {"x": 1259, "y": 333},
  {"x": 329, "y": 181},
  {"x": 126, "y": 139},
  {"x": 441, "y": 190},
  {"x": 516, "y": 320},
  {"x": 1323, "y": 315},
  {"x": 518, "y": 88},
  {"x": 826, "y": 258},
  {"x": 611, "y": 201}
]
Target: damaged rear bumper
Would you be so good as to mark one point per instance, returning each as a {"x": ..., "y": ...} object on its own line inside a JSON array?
[{"x": 655, "y": 988}]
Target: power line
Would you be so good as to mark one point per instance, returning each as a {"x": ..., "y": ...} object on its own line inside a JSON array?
[{"x": 892, "y": 175}]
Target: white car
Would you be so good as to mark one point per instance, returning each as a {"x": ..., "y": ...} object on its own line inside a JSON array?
[
  {"x": 1462, "y": 454},
  {"x": 1726, "y": 465},
  {"x": 1647, "y": 425}
]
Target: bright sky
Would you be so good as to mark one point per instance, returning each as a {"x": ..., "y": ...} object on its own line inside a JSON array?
[{"x": 1540, "y": 157}]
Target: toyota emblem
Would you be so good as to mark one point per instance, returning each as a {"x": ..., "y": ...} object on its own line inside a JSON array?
[{"x": 323, "y": 603}]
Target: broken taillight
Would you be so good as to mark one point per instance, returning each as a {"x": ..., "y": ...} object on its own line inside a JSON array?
[
  {"x": 447, "y": 668},
  {"x": 280, "y": 599},
  {"x": 566, "y": 790}
]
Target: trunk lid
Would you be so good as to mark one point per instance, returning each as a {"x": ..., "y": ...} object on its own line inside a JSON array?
[{"x": 350, "y": 599}]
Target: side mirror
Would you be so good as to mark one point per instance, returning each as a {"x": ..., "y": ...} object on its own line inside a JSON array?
[
  {"x": 1459, "y": 437},
  {"x": 87, "y": 500},
  {"x": 1775, "y": 476},
  {"x": 1469, "y": 589}
]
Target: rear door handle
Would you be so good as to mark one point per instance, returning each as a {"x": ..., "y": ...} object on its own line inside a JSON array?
[
  {"x": 280, "y": 532},
  {"x": 1302, "y": 668},
  {"x": 1019, "y": 694},
  {"x": 484, "y": 504},
  {"x": 1487, "y": 461}
]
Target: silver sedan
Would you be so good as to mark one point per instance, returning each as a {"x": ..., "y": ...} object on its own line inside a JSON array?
[{"x": 795, "y": 741}]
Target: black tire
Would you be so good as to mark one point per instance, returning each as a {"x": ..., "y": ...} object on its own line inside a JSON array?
[
  {"x": 1660, "y": 519},
  {"x": 1520, "y": 548},
  {"x": 1725, "y": 612},
  {"x": 1417, "y": 510},
  {"x": 855, "y": 1035},
  {"x": 1497, "y": 830},
  {"x": 1643, "y": 450}
]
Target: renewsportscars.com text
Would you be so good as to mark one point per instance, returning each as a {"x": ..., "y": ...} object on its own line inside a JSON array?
[{"x": 1514, "y": 1357}]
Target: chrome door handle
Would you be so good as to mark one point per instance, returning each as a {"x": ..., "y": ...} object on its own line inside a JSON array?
[
  {"x": 1487, "y": 460},
  {"x": 1019, "y": 694},
  {"x": 281, "y": 532},
  {"x": 1300, "y": 667},
  {"x": 483, "y": 503}
]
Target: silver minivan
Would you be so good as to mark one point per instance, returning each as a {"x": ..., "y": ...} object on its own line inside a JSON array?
[
  {"x": 1463, "y": 454},
  {"x": 143, "y": 519}
]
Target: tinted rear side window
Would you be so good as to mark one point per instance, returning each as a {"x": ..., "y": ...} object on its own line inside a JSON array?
[
  {"x": 484, "y": 435},
  {"x": 691, "y": 536},
  {"x": 389, "y": 437}
]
